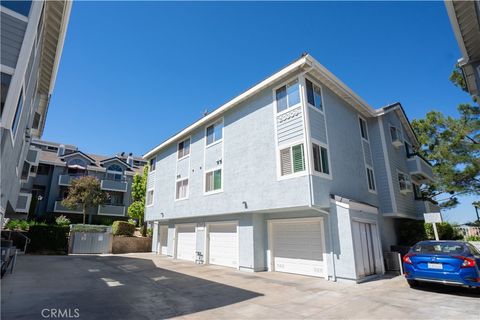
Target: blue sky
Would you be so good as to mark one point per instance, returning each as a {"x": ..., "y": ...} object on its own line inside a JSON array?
[{"x": 134, "y": 73}]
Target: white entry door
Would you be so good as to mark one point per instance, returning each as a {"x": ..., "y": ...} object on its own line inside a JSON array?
[
  {"x": 366, "y": 248},
  {"x": 297, "y": 246},
  {"x": 223, "y": 244},
  {"x": 163, "y": 239},
  {"x": 186, "y": 242}
]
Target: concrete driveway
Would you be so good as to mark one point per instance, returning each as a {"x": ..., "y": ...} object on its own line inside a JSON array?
[{"x": 147, "y": 286}]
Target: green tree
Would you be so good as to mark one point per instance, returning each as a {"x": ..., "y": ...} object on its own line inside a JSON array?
[
  {"x": 452, "y": 145},
  {"x": 139, "y": 189},
  {"x": 86, "y": 193}
]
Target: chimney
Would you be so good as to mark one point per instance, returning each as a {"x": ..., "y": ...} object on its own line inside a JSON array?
[
  {"x": 130, "y": 159},
  {"x": 61, "y": 150}
]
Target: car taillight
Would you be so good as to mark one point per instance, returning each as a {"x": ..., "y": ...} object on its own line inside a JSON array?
[
  {"x": 467, "y": 262},
  {"x": 406, "y": 258}
]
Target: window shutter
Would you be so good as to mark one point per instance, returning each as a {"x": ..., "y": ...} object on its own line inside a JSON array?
[
  {"x": 285, "y": 161},
  {"x": 298, "y": 159},
  {"x": 209, "y": 181}
]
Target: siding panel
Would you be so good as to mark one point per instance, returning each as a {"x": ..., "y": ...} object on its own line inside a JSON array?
[
  {"x": 290, "y": 126},
  {"x": 13, "y": 31}
]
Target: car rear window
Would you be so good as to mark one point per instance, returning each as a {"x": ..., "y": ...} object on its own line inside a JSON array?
[{"x": 439, "y": 248}]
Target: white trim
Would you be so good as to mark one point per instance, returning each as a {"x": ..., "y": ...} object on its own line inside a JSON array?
[
  {"x": 367, "y": 166},
  {"x": 456, "y": 30},
  {"x": 279, "y": 166},
  {"x": 314, "y": 172},
  {"x": 189, "y": 148},
  {"x": 314, "y": 82},
  {"x": 153, "y": 198},
  {"x": 27, "y": 205},
  {"x": 7, "y": 70},
  {"x": 206, "y": 193},
  {"x": 206, "y": 243},
  {"x": 387, "y": 164},
  {"x": 175, "y": 237},
  {"x": 207, "y": 145},
  {"x": 188, "y": 189},
  {"x": 14, "y": 14},
  {"x": 271, "y": 248}
]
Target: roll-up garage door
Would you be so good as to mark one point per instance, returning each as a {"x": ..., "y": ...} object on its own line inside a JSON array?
[
  {"x": 186, "y": 242},
  {"x": 223, "y": 244}
]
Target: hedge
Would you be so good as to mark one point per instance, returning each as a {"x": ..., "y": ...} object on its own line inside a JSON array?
[
  {"x": 122, "y": 228},
  {"x": 445, "y": 231},
  {"x": 51, "y": 239},
  {"x": 76, "y": 218},
  {"x": 89, "y": 228}
]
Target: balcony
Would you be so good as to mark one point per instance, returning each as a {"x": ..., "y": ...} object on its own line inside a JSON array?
[
  {"x": 430, "y": 207},
  {"x": 114, "y": 185},
  {"x": 66, "y": 179},
  {"x": 23, "y": 202},
  {"x": 33, "y": 156},
  {"x": 59, "y": 208},
  {"x": 111, "y": 210},
  {"x": 420, "y": 170}
]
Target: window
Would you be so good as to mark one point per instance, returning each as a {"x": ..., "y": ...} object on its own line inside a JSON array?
[
  {"x": 115, "y": 172},
  {"x": 149, "y": 197},
  {"x": 36, "y": 120},
  {"x": 6, "y": 79},
  {"x": 25, "y": 170},
  {"x": 371, "y": 179},
  {"x": 77, "y": 162},
  {"x": 213, "y": 180},
  {"x": 409, "y": 150},
  {"x": 363, "y": 128},
  {"x": 152, "y": 164},
  {"x": 115, "y": 198},
  {"x": 292, "y": 160},
  {"x": 215, "y": 132},
  {"x": 287, "y": 96},
  {"x": 314, "y": 95},
  {"x": 404, "y": 183},
  {"x": 18, "y": 113},
  {"x": 417, "y": 193},
  {"x": 22, "y": 7},
  {"x": 184, "y": 148},
  {"x": 182, "y": 189},
  {"x": 320, "y": 159}
]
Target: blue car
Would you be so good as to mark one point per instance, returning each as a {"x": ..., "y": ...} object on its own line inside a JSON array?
[{"x": 447, "y": 262}]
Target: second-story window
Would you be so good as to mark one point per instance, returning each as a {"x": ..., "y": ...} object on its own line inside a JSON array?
[
  {"x": 149, "y": 199},
  {"x": 214, "y": 132},
  {"x": 18, "y": 113},
  {"x": 213, "y": 180},
  {"x": 370, "y": 179},
  {"x": 152, "y": 164},
  {"x": 183, "y": 148},
  {"x": 314, "y": 95},
  {"x": 287, "y": 96},
  {"x": 181, "y": 189},
  {"x": 363, "y": 128},
  {"x": 292, "y": 160},
  {"x": 114, "y": 172},
  {"x": 404, "y": 183},
  {"x": 320, "y": 159},
  {"x": 408, "y": 149}
]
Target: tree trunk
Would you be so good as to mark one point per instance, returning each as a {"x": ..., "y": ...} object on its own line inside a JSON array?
[{"x": 84, "y": 214}]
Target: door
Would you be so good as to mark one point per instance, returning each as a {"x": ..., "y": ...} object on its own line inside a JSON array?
[
  {"x": 298, "y": 246},
  {"x": 186, "y": 242},
  {"x": 163, "y": 239},
  {"x": 223, "y": 244},
  {"x": 364, "y": 239}
]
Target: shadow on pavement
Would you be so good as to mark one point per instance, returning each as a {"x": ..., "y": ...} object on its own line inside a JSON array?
[
  {"x": 110, "y": 287},
  {"x": 449, "y": 290}
]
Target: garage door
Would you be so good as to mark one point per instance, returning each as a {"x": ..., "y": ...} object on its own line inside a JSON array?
[
  {"x": 186, "y": 242},
  {"x": 223, "y": 244},
  {"x": 298, "y": 247}
]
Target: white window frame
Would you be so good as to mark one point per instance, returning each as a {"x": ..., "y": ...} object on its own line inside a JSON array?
[
  {"x": 153, "y": 198},
  {"x": 205, "y": 192},
  {"x": 299, "y": 104},
  {"x": 221, "y": 120},
  {"x": 314, "y": 172},
  {"x": 322, "y": 111},
  {"x": 189, "y": 148},
  {"x": 408, "y": 180},
  {"x": 187, "y": 194},
  {"x": 368, "y": 167},
  {"x": 366, "y": 129},
  {"x": 279, "y": 160},
  {"x": 154, "y": 159}
]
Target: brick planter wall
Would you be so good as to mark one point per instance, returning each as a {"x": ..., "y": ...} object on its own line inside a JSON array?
[{"x": 131, "y": 244}]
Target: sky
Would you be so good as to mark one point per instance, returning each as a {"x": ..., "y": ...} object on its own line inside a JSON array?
[{"x": 133, "y": 74}]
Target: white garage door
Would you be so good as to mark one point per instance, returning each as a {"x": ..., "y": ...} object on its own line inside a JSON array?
[
  {"x": 223, "y": 244},
  {"x": 298, "y": 247},
  {"x": 163, "y": 241},
  {"x": 186, "y": 242}
]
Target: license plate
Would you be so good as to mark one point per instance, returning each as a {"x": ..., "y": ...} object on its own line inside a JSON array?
[{"x": 434, "y": 265}]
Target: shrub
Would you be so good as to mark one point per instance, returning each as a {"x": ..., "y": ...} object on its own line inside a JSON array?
[
  {"x": 89, "y": 228},
  {"x": 150, "y": 232},
  {"x": 132, "y": 221},
  {"x": 411, "y": 232},
  {"x": 48, "y": 239},
  {"x": 23, "y": 225},
  {"x": 445, "y": 231},
  {"x": 62, "y": 220},
  {"x": 122, "y": 228},
  {"x": 12, "y": 224},
  {"x": 473, "y": 238}
]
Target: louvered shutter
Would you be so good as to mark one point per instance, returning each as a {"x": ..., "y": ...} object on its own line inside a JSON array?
[
  {"x": 298, "y": 159},
  {"x": 285, "y": 161}
]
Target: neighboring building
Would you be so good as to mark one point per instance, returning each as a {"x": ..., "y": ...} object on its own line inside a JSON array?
[
  {"x": 465, "y": 20},
  {"x": 298, "y": 174},
  {"x": 32, "y": 36},
  {"x": 57, "y": 165}
]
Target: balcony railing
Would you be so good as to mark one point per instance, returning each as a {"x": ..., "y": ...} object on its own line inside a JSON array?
[
  {"x": 114, "y": 185},
  {"x": 420, "y": 169},
  {"x": 111, "y": 210},
  {"x": 59, "y": 208},
  {"x": 33, "y": 156},
  {"x": 66, "y": 179},
  {"x": 431, "y": 207}
]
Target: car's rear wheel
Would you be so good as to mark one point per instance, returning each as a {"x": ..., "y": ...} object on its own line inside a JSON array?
[{"x": 413, "y": 283}]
